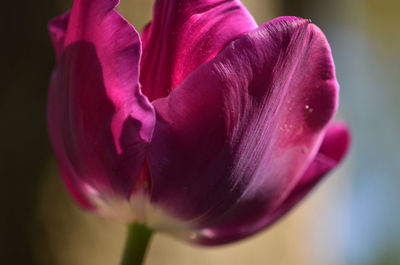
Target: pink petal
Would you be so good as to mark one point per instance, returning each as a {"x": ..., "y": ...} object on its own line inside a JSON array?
[
  {"x": 99, "y": 122},
  {"x": 333, "y": 149},
  {"x": 183, "y": 35},
  {"x": 242, "y": 129}
]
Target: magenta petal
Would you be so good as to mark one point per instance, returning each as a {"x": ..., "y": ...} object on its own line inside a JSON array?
[
  {"x": 333, "y": 149},
  {"x": 185, "y": 34},
  {"x": 99, "y": 122},
  {"x": 241, "y": 130}
]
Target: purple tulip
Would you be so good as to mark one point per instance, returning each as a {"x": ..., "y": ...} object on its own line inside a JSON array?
[{"x": 206, "y": 126}]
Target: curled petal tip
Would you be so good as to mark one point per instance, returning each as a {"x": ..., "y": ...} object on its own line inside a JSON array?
[
  {"x": 57, "y": 28},
  {"x": 337, "y": 141}
]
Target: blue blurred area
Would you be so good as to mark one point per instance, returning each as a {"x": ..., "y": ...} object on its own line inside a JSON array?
[
  {"x": 365, "y": 219},
  {"x": 369, "y": 94}
]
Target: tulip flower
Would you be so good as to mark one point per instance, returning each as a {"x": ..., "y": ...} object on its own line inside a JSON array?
[{"x": 206, "y": 126}]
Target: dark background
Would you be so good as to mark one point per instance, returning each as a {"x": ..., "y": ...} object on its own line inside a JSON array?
[{"x": 26, "y": 64}]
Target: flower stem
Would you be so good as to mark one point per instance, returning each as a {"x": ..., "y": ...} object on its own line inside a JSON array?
[{"x": 137, "y": 240}]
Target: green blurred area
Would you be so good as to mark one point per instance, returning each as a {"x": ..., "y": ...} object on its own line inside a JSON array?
[{"x": 39, "y": 224}]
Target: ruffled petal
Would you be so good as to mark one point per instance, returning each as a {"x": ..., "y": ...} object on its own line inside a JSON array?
[
  {"x": 99, "y": 122},
  {"x": 332, "y": 151},
  {"x": 183, "y": 35},
  {"x": 243, "y": 127}
]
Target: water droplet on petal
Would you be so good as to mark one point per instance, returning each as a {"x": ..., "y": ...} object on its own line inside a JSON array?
[{"x": 307, "y": 107}]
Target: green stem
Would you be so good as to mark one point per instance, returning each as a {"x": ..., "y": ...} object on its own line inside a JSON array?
[{"x": 137, "y": 240}]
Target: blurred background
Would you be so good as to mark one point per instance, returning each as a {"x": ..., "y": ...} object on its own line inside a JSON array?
[{"x": 352, "y": 218}]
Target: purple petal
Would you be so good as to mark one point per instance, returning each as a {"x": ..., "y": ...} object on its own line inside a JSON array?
[
  {"x": 241, "y": 130},
  {"x": 183, "y": 35},
  {"x": 333, "y": 149},
  {"x": 99, "y": 122}
]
